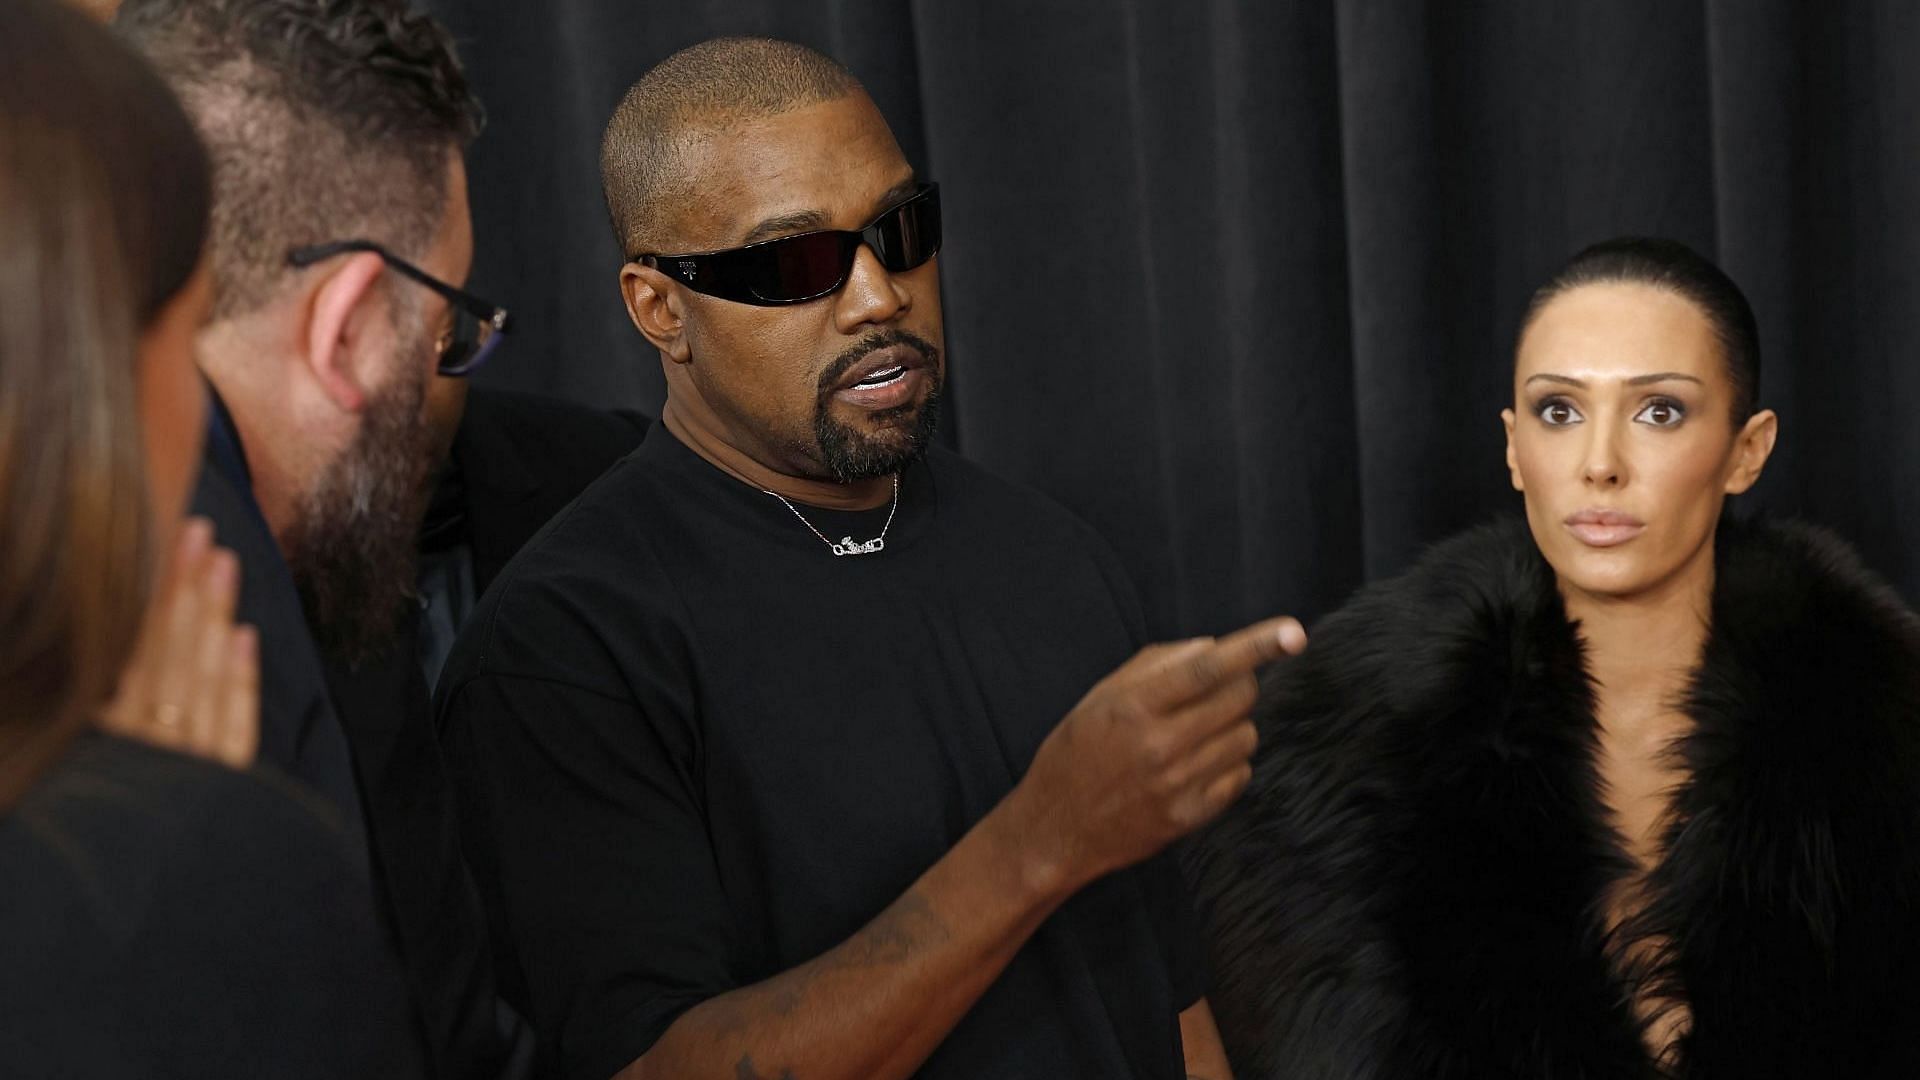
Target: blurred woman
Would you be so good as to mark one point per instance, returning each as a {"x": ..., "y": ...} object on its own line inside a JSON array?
[
  {"x": 160, "y": 915},
  {"x": 1628, "y": 789}
]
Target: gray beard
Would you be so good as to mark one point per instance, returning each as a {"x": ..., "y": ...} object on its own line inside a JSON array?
[{"x": 353, "y": 547}]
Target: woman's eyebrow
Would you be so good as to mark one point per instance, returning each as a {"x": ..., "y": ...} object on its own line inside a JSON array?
[
  {"x": 1662, "y": 376},
  {"x": 1637, "y": 380}
]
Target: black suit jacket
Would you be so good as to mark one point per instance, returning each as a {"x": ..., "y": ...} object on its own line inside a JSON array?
[
  {"x": 364, "y": 738},
  {"x": 300, "y": 734}
]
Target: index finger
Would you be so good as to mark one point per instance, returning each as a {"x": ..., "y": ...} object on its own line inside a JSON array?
[{"x": 1198, "y": 672}]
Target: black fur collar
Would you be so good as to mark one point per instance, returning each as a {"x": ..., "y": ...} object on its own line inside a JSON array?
[{"x": 1411, "y": 887}]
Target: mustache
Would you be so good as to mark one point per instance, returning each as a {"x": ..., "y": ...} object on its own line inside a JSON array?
[{"x": 879, "y": 339}]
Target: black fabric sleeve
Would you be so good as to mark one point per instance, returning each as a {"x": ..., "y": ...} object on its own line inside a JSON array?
[
  {"x": 171, "y": 917},
  {"x": 590, "y": 840}
]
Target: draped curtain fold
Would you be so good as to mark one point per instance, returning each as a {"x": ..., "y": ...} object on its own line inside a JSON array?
[{"x": 1238, "y": 281}]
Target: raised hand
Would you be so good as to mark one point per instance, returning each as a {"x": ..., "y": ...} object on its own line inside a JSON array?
[
  {"x": 193, "y": 683},
  {"x": 1155, "y": 750}
]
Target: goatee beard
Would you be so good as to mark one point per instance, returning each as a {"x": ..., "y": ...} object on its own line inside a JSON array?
[
  {"x": 852, "y": 454},
  {"x": 352, "y": 549}
]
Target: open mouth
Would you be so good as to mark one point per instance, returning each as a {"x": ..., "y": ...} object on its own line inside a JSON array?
[{"x": 885, "y": 377}]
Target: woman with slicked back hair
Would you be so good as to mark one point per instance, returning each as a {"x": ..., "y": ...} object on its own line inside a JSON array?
[
  {"x": 1627, "y": 787},
  {"x": 161, "y": 914}
]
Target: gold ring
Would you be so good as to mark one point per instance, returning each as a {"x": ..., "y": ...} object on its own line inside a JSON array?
[{"x": 167, "y": 715}]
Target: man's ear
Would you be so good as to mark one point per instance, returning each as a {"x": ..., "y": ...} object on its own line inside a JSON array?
[
  {"x": 1751, "y": 449},
  {"x": 655, "y": 308},
  {"x": 1513, "y": 461},
  {"x": 337, "y": 325}
]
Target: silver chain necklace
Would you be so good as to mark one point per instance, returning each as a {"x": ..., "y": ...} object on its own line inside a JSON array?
[{"x": 847, "y": 545}]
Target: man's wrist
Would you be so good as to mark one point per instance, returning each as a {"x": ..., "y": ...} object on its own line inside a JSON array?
[{"x": 1035, "y": 862}]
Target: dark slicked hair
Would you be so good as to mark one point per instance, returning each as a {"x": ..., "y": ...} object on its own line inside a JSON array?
[
  {"x": 1676, "y": 268},
  {"x": 697, "y": 91},
  {"x": 325, "y": 119}
]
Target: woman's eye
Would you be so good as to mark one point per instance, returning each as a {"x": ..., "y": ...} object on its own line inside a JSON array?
[
  {"x": 1557, "y": 412},
  {"x": 1661, "y": 412}
]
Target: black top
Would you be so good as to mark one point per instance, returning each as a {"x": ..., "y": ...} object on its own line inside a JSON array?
[
  {"x": 696, "y": 749},
  {"x": 517, "y": 459},
  {"x": 166, "y": 917}
]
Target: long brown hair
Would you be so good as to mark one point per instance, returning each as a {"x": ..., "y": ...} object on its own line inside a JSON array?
[{"x": 103, "y": 209}]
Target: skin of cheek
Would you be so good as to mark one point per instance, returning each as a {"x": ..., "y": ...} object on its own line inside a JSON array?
[
  {"x": 760, "y": 367},
  {"x": 757, "y": 368},
  {"x": 1676, "y": 486},
  {"x": 172, "y": 404},
  {"x": 446, "y": 403}
]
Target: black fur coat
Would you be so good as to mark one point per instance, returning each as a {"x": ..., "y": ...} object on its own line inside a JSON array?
[{"x": 1413, "y": 885}]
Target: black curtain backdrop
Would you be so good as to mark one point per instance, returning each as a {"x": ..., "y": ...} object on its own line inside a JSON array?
[{"x": 1238, "y": 281}]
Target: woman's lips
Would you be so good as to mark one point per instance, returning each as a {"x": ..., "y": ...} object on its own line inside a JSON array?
[{"x": 1602, "y": 528}]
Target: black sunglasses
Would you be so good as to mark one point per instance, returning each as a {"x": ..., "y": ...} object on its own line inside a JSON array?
[
  {"x": 795, "y": 269},
  {"x": 477, "y": 324}
]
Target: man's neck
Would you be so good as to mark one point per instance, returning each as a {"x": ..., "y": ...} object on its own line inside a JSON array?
[
  {"x": 722, "y": 454},
  {"x": 274, "y": 487}
]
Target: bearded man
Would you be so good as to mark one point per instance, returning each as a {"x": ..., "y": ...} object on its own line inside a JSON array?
[
  {"x": 796, "y": 746},
  {"x": 340, "y": 236}
]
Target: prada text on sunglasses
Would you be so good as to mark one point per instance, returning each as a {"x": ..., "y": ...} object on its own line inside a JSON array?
[
  {"x": 795, "y": 269},
  {"x": 476, "y": 328}
]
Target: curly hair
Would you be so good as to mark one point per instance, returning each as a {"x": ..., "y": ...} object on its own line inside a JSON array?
[{"x": 324, "y": 119}]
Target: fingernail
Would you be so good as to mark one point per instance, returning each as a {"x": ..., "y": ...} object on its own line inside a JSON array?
[
  {"x": 246, "y": 643},
  {"x": 196, "y": 536},
  {"x": 223, "y": 570},
  {"x": 1292, "y": 637}
]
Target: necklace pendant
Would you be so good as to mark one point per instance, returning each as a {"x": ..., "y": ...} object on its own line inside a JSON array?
[{"x": 849, "y": 546}]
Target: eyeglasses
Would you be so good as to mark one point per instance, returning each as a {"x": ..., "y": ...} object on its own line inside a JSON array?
[
  {"x": 477, "y": 324},
  {"x": 796, "y": 269}
]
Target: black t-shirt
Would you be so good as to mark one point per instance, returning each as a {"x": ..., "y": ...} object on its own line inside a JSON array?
[
  {"x": 166, "y": 917},
  {"x": 697, "y": 749}
]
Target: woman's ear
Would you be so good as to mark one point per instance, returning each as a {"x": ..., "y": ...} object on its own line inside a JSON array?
[
  {"x": 655, "y": 308},
  {"x": 1751, "y": 449},
  {"x": 1513, "y": 460}
]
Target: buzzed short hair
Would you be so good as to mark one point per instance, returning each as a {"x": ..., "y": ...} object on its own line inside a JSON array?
[
  {"x": 697, "y": 91},
  {"x": 325, "y": 120}
]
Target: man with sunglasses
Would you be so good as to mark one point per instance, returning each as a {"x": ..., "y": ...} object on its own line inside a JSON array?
[
  {"x": 340, "y": 232},
  {"x": 797, "y": 746}
]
